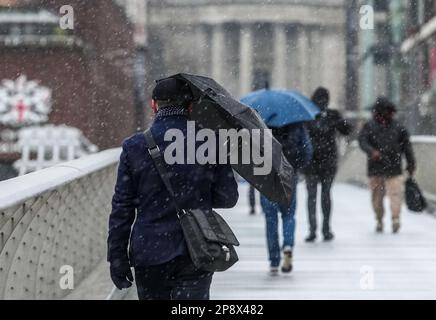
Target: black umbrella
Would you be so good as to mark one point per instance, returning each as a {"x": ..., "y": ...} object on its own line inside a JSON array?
[{"x": 214, "y": 108}]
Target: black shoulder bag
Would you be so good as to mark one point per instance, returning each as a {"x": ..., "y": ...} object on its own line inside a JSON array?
[
  {"x": 415, "y": 200},
  {"x": 209, "y": 239}
]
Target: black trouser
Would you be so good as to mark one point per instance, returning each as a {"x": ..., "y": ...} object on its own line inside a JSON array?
[
  {"x": 252, "y": 199},
  {"x": 174, "y": 280},
  {"x": 312, "y": 182}
]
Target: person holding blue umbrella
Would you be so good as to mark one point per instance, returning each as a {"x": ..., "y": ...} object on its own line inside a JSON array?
[{"x": 285, "y": 112}]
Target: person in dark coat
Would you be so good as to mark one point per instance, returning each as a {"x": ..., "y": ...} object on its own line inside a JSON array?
[
  {"x": 385, "y": 141},
  {"x": 144, "y": 231},
  {"x": 252, "y": 200},
  {"x": 322, "y": 169}
]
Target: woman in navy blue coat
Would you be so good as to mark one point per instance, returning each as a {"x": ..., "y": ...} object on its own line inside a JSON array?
[{"x": 144, "y": 231}]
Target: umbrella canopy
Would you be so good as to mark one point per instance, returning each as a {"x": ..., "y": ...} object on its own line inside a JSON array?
[
  {"x": 214, "y": 108},
  {"x": 279, "y": 108}
]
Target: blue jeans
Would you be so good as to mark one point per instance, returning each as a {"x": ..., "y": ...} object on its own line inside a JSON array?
[{"x": 271, "y": 210}]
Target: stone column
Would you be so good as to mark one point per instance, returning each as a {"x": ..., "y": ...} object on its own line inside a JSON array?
[
  {"x": 218, "y": 52},
  {"x": 202, "y": 50},
  {"x": 246, "y": 59},
  {"x": 318, "y": 60},
  {"x": 293, "y": 77},
  {"x": 334, "y": 66},
  {"x": 304, "y": 59},
  {"x": 280, "y": 55}
]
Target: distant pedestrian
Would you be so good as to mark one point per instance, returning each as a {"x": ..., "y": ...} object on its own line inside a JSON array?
[
  {"x": 155, "y": 245},
  {"x": 323, "y": 167},
  {"x": 298, "y": 151},
  {"x": 252, "y": 200},
  {"x": 385, "y": 141}
]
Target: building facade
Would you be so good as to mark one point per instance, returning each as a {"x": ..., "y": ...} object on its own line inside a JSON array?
[
  {"x": 397, "y": 59},
  {"x": 419, "y": 74},
  {"x": 88, "y": 70},
  {"x": 243, "y": 44}
]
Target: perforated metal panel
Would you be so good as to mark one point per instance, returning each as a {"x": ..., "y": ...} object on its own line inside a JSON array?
[{"x": 64, "y": 226}]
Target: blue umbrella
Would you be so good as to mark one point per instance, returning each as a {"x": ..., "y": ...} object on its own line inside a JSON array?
[{"x": 279, "y": 108}]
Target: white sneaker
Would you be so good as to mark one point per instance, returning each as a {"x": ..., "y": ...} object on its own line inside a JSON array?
[
  {"x": 287, "y": 260},
  {"x": 379, "y": 227},
  {"x": 396, "y": 225}
]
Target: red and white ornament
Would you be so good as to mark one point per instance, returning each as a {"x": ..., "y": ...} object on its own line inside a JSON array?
[{"x": 24, "y": 102}]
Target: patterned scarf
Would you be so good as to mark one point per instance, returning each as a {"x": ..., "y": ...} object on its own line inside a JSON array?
[{"x": 172, "y": 111}]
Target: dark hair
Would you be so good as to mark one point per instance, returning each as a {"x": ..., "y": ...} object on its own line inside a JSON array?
[
  {"x": 172, "y": 92},
  {"x": 383, "y": 105},
  {"x": 321, "y": 97},
  {"x": 174, "y": 103}
]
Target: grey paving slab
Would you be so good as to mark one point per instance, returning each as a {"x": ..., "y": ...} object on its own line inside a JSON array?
[{"x": 359, "y": 264}]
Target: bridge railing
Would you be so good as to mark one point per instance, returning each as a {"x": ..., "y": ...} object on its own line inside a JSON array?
[
  {"x": 353, "y": 168},
  {"x": 53, "y": 224}
]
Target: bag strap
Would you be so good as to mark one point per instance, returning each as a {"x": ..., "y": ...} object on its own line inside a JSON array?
[{"x": 156, "y": 156}]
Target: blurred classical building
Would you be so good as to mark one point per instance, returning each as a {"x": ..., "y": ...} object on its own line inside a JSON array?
[{"x": 245, "y": 43}]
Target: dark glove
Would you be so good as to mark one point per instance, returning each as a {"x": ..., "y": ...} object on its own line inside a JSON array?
[
  {"x": 121, "y": 274},
  {"x": 376, "y": 155}
]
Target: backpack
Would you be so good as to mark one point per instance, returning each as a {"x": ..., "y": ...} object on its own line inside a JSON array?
[
  {"x": 210, "y": 240},
  {"x": 290, "y": 139}
]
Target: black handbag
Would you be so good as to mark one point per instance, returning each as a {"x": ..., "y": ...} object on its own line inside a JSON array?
[
  {"x": 209, "y": 238},
  {"x": 415, "y": 200}
]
